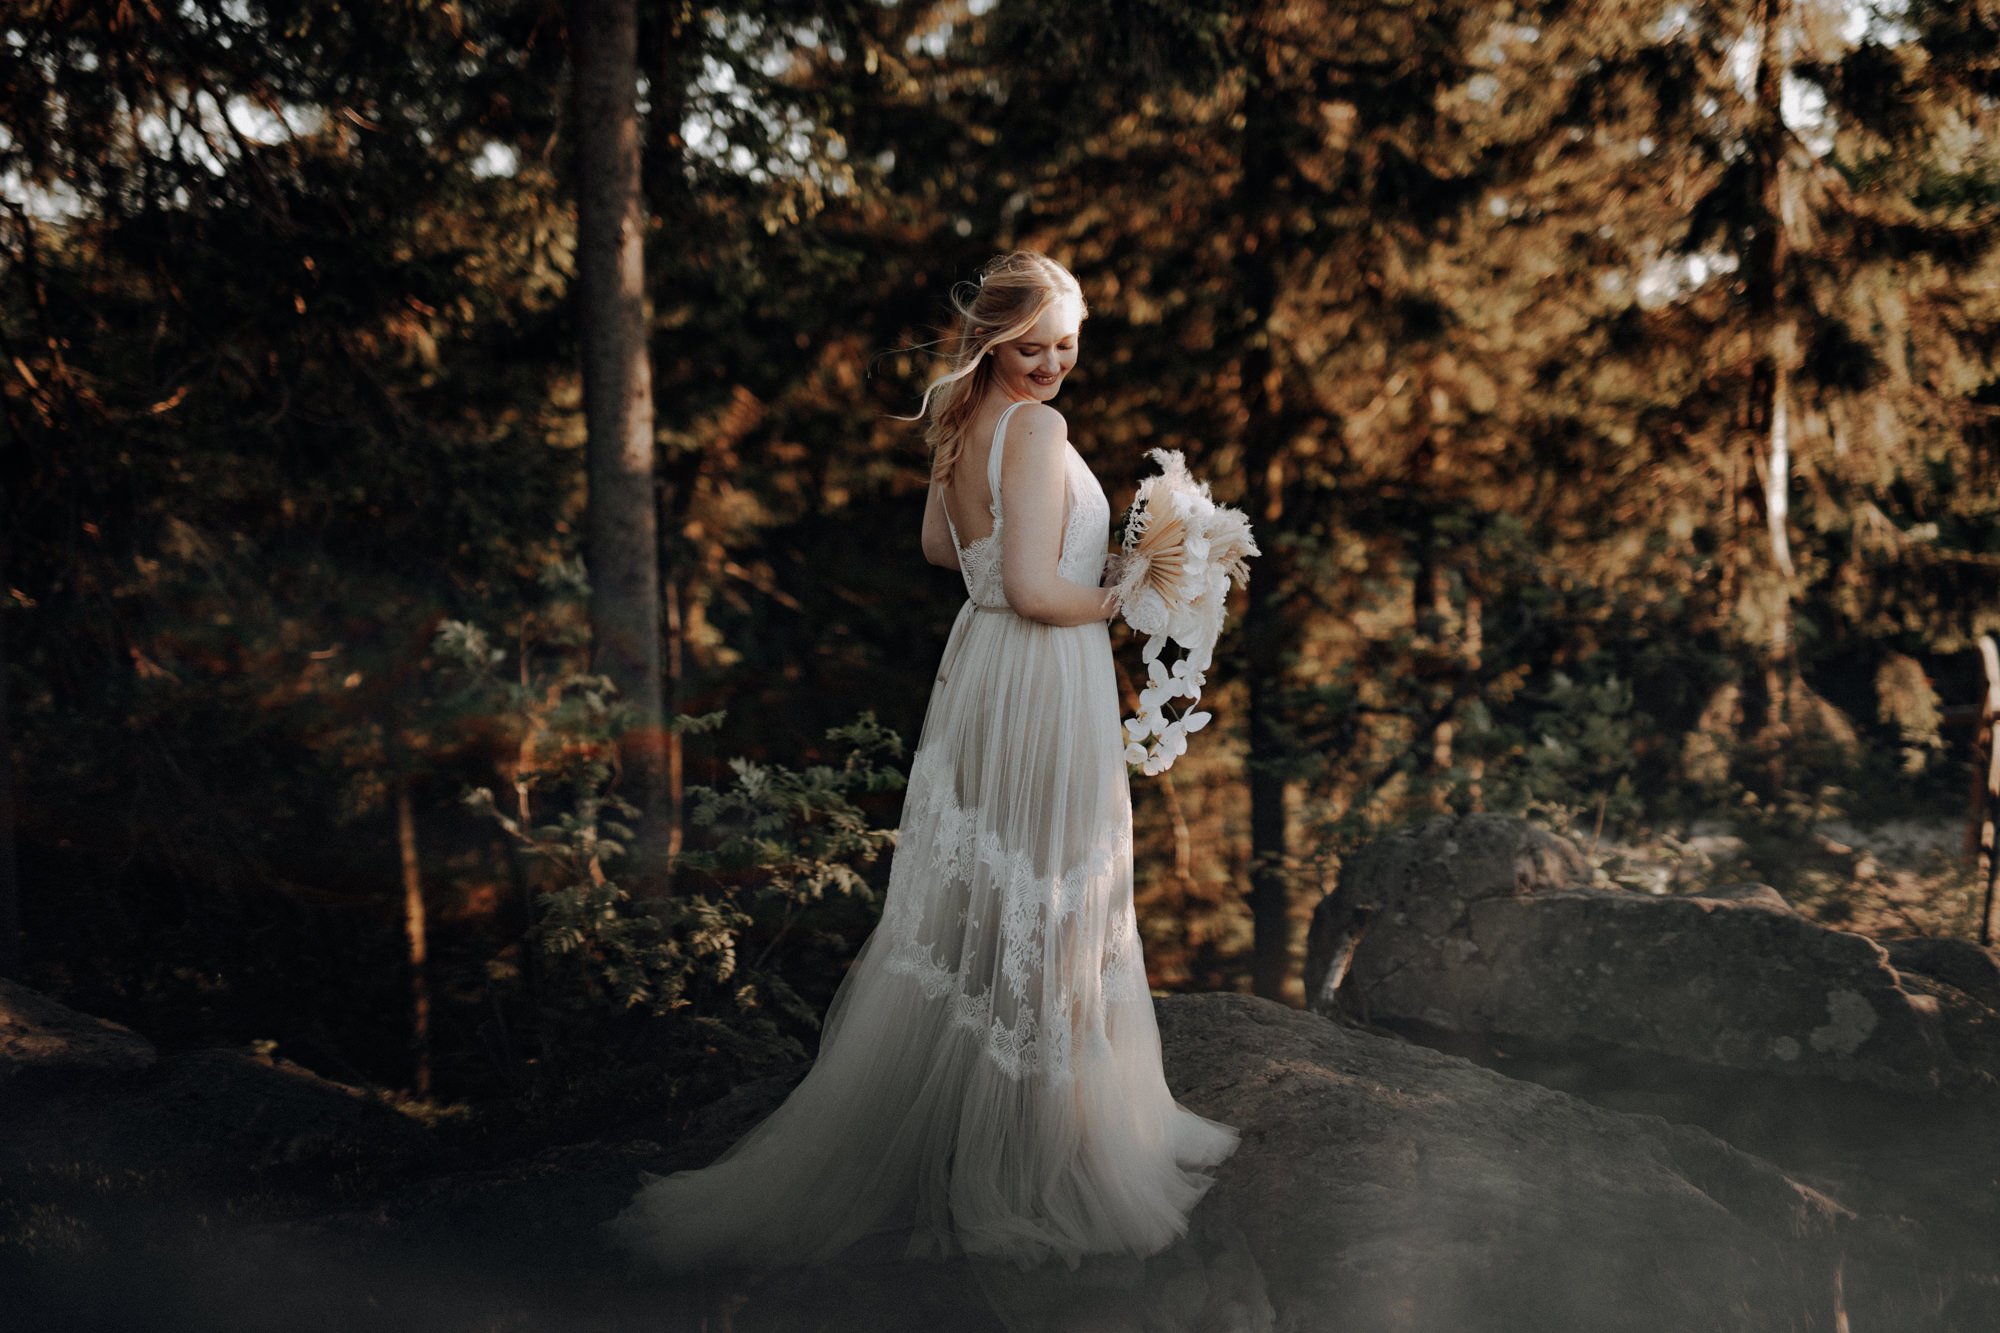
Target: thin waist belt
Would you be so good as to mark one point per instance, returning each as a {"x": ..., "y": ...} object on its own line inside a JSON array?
[{"x": 944, "y": 667}]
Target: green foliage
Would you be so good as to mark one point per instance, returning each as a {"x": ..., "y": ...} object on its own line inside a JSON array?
[
  {"x": 792, "y": 837},
  {"x": 693, "y": 984},
  {"x": 1568, "y": 749}
]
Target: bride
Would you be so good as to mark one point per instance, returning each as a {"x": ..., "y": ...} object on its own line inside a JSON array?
[{"x": 989, "y": 1077}]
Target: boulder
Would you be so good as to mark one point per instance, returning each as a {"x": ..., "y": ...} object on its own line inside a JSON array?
[
  {"x": 1384, "y": 1185},
  {"x": 102, "y": 1141},
  {"x": 1968, "y": 967},
  {"x": 1747, "y": 892},
  {"x": 1380, "y": 1185},
  {"x": 1484, "y": 927},
  {"x": 46, "y": 1043}
]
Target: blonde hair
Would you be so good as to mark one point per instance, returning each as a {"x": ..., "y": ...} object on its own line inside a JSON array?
[{"x": 1011, "y": 293}]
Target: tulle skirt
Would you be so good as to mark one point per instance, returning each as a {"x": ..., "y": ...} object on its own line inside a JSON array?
[{"x": 989, "y": 1078}]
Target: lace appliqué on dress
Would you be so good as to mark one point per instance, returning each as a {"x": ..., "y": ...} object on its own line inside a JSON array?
[
  {"x": 1029, "y": 904},
  {"x": 981, "y": 564},
  {"x": 1079, "y": 563},
  {"x": 1078, "y": 560}
]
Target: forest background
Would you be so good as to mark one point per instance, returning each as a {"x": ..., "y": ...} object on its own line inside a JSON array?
[{"x": 1611, "y": 389}]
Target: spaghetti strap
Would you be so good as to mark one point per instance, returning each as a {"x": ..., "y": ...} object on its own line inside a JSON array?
[{"x": 993, "y": 454}]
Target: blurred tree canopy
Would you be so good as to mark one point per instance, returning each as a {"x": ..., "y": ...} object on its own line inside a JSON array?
[{"x": 1613, "y": 393}]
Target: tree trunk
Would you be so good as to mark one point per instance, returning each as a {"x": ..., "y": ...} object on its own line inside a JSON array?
[
  {"x": 672, "y": 64},
  {"x": 523, "y": 873},
  {"x": 1472, "y": 640},
  {"x": 1264, "y": 626},
  {"x": 1430, "y": 623},
  {"x": 1183, "y": 871},
  {"x": 10, "y": 870},
  {"x": 1270, "y": 877},
  {"x": 1777, "y": 490},
  {"x": 622, "y": 544},
  {"x": 1770, "y": 385},
  {"x": 1986, "y": 793},
  {"x": 418, "y": 935},
  {"x": 676, "y": 753}
]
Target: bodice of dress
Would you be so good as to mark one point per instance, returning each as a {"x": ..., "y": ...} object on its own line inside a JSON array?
[{"x": 1085, "y": 536}]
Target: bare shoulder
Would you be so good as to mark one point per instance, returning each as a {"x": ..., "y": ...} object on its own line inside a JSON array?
[{"x": 1038, "y": 428}]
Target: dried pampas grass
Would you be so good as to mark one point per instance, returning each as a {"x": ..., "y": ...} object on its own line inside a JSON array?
[{"x": 1180, "y": 554}]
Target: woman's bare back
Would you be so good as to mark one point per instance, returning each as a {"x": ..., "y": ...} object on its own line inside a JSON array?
[{"x": 967, "y": 493}]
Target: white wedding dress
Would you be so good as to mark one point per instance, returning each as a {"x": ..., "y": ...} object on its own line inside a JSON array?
[{"x": 989, "y": 1077}]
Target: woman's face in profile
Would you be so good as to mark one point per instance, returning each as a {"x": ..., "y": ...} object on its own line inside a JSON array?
[{"x": 1033, "y": 365}]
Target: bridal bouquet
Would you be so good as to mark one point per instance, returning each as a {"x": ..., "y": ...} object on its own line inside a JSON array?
[{"x": 1180, "y": 553}]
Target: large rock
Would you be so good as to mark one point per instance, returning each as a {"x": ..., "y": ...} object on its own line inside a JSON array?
[
  {"x": 43, "y": 1042},
  {"x": 1961, "y": 964},
  {"x": 1384, "y": 1185},
  {"x": 1483, "y": 926},
  {"x": 1380, "y": 1186},
  {"x": 106, "y": 1147}
]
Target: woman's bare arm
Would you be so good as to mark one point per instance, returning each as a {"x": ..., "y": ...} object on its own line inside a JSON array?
[{"x": 1032, "y": 493}]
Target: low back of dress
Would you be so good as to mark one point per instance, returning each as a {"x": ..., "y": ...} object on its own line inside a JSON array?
[{"x": 1081, "y": 559}]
